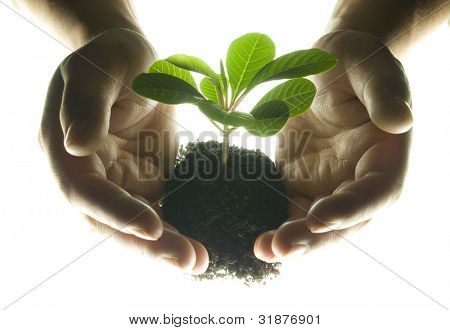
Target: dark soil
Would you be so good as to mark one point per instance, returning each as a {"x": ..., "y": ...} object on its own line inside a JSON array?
[{"x": 227, "y": 209}]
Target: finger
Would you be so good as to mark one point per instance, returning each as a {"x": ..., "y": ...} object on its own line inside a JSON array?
[
  {"x": 379, "y": 177},
  {"x": 158, "y": 211},
  {"x": 262, "y": 247},
  {"x": 354, "y": 203},
  {"x": 294, "y": 238},
  {"x": 381, "y": 85},
  {"x": 202, "y": 257},
  {"x": 298, "y": 208},
  {"x": 91, "y": 86},
  {"x": 172, "y": 248},
  {"x": 111, "y": 205},
  {"x": 92, "y": 193}
]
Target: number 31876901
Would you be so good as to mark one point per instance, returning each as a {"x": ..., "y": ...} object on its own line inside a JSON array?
[{"x": 288, "y": 319}]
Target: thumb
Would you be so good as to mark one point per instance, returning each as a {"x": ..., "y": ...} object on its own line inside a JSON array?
[
  {"x": 381, "y": 85},
  {"x": 89, "y": 93}
]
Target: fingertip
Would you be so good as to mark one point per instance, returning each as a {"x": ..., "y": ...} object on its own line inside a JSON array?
[
  {"x": 146, "y": 224},
  {"x": 184, "y": 261},
  {"x": 149, "y": 234},
  {"x": 396, "y": 120},
  {"x": 202, "y": 258},
  {"x": 158, "y": 231},
  {"x": 172, "y": 248},
  {"x": 297, "y": 250},
  {"x": 187, "y": 255},
  {"x": 263, "y": 250},
  {"x": 320, "y": 228},
  {"x": 330, "y": 212},
  {"x": 80, "y": 141},
  {"x": 405, "y": 119},
  {"x": 187, "y": 264},
  {"x": 317, "y": 226},
  {"x": 139, "y": 232},
  {"x": 290, "y": 239},
  {"x": 283, "y": 240},
  {"x": 256, "y": 249},
  {"x": 171, "y": 261}
]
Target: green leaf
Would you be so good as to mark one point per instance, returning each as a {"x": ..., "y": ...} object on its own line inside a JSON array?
[
  {"x": 297, "y": 64},
  {"x": 270, "y": 117},
  {"x": 165, "y": 88},
  {"x": 209, "y": 90},
  {"x": 212, "y": 111},
  {"x": 246, "y": 56},
  {"x": 163, "y": 66},
  {"x": 239, "y": 119},
  {"x": 297, "y": 94},
  {"x": 216, "y": 113},
  {"x": 224, "y": 80},
  {"x": 192, "y": 63}
]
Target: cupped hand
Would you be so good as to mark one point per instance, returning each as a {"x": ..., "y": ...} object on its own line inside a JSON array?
[
  {"x": 346, "y": 157},
  {"x": 109, "y": 148}
]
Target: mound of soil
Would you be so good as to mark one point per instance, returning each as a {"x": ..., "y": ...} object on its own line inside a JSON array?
[{"x": 226, "y": 208}]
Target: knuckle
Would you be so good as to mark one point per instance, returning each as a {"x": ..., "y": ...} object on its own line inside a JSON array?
[{"x": 70, "y": 64}]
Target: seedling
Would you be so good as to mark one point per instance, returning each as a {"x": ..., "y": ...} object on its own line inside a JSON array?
[
  {"x": 238, "y": 210},
  {"x": 249, "y": 63}
]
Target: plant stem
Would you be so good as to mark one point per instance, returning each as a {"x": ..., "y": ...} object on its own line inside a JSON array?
[
  {"x": 236, "y": 102},
  {"x": 225, "y": 146},
  {"x": 222, "y": 99},
  {"x": 217, "y": 126},
  {"x": 226, "y": 99}
]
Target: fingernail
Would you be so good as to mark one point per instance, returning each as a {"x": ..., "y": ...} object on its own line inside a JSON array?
[
  {"x": 403, "y": 102},
  {"x": 172, "y": 261},
  {"x": 158, "y": 233},
  {"x": 407, "y": 117},
  {"x": 322, "y": 228},
  {"x": 298, "y": 249},
  {"x": 141, "y": 233},
  {"x": 75, "y": 130}
]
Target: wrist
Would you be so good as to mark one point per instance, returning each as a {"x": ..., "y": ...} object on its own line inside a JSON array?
[
  {"x": 398, "y": 24},
  {"x": 383, "y": 19},
  {"x": 77, "y": 22}
]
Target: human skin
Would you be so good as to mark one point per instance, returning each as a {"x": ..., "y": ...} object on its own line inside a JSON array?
[
  {"x": 355, "y": 160},
  {"x": 347, "y": 185},
  {"x": 90, "y": 126}
]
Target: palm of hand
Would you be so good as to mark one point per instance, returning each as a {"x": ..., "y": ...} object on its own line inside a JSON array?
[{"x": 139, "y": 148}]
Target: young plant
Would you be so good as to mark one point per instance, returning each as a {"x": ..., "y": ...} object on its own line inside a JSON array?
[{"x": 249, "y": 62}]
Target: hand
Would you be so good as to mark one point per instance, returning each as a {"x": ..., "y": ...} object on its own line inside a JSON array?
[
  {"x": 93, "y": 131},
  {"x": 346, "y": 157}
]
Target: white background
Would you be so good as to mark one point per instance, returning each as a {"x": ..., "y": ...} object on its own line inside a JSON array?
[{"x": 40, "y": 233}]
